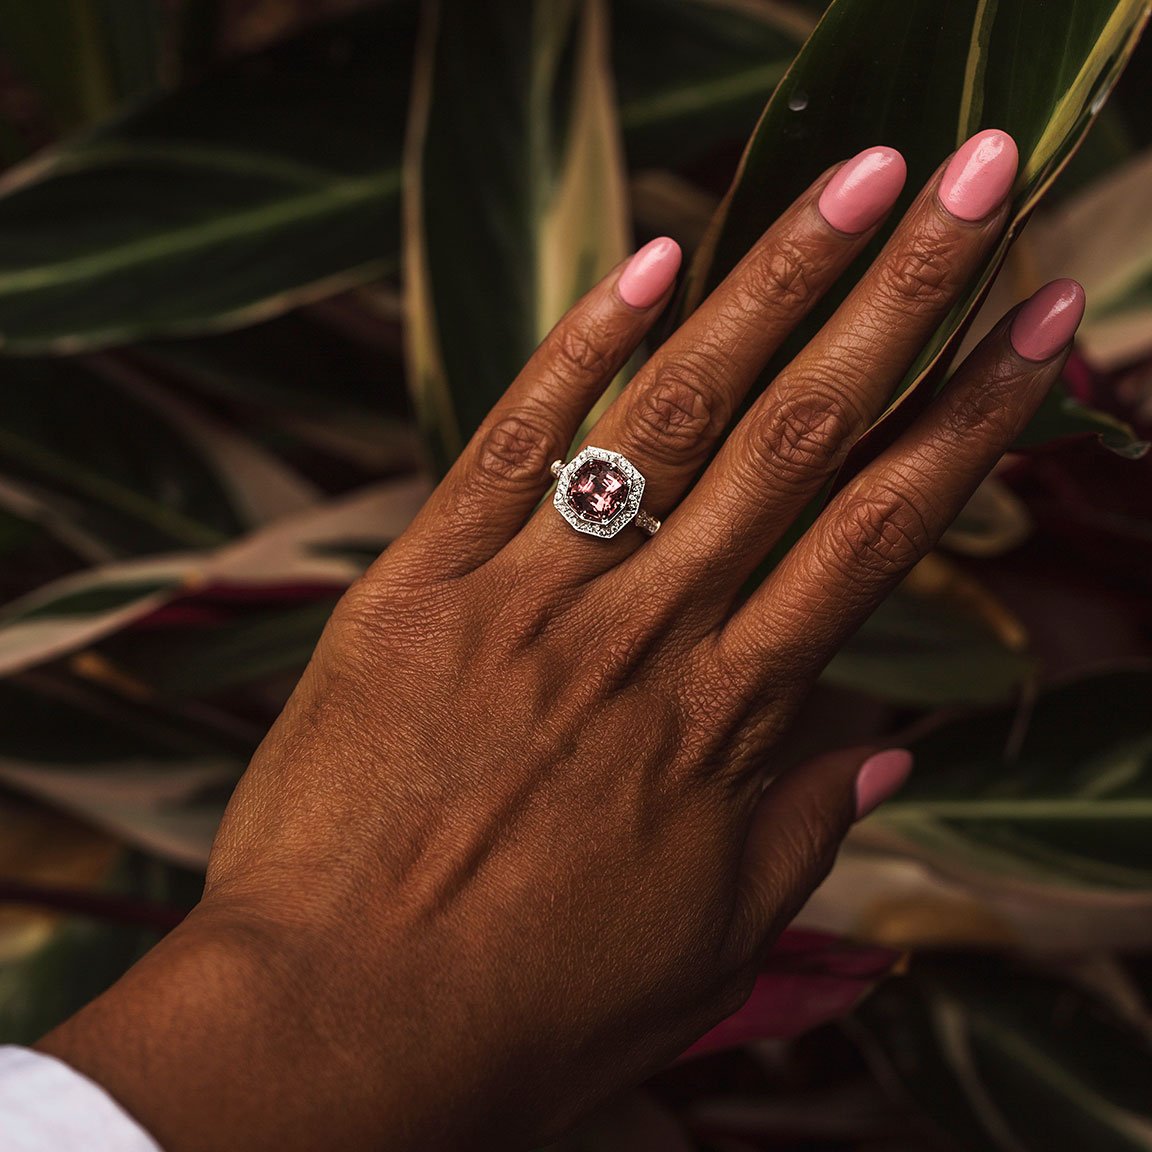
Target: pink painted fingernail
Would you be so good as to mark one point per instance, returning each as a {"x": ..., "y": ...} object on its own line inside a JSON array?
[
  {"x": 879, "y": 777},
  {"x": 1048, "y": 320},
  {"x": 650, "y": 272},
  {"x": 980, "y": 175},
  {"x": 863, "y": 189}
]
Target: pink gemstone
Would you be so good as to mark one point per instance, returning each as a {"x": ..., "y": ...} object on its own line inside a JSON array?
[{"x": 598, "y": 491}]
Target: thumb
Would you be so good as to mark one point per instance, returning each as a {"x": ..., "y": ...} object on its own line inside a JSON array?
[{"x": 797, "y": 827}]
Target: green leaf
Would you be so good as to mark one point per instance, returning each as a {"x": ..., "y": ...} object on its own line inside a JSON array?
[
  {"x": 329, "y": 545},
  {"x": 82, "y": 57},
  {"x": 274, "y": 181},
  {"x": 1004, "y": 1059},
  {"x": 513, "y": 104},
  {"x": 15, "y": 531},
  {"x": 695, "y": 74},
  {"x": 1057, "y": 795},
  {"x": 214, "y": 659},
  {"x": 305, "y": 377},
  {"x": 1061, "y": 416},
  {"x": 156, "y": 784},
  {"x": 919, "y": 652},
  {"x": 102, "y": 449},
  {"x": 931, "y": 74},
  {"x": 124, "y": 472}
]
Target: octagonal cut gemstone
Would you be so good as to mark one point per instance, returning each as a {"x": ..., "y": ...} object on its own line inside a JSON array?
[{"x": 598, "y": 490}]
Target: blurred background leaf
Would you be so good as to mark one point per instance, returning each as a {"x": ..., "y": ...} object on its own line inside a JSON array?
[
  {"x": 274, "y": 181},
  {"x": 1057, "y": 792},
  {"x": 514, "y": 104},
  {"x": 1009, "y": 1059}
]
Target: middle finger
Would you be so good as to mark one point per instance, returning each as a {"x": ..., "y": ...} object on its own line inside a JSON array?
[{"x": 797, "y": 433}]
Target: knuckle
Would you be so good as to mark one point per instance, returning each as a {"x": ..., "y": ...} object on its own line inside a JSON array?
[
  {"x": 988, "y": 408},
  {"x": 923, "y": 274},
  {"x": 804, "y": 435},
  {"x": 781, "y": 275},
  {"x": 517, "y": 448},
  {"x": 583, "y": 351},
  {"x": 680, "y": 412},
  {"x": 883, "y": 529}
]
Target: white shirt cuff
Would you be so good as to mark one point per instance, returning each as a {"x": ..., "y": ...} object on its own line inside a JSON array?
[{"x": 45, "y": 1106}]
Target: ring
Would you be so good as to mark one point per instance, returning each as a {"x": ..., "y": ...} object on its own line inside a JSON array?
[{"x": 599, "y": 492}]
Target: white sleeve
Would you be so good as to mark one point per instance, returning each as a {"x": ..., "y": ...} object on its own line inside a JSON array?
[{"x": 45, "y": 1106}]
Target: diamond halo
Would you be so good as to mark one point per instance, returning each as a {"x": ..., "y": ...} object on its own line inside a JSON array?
[{"x": 568, "y": 503}]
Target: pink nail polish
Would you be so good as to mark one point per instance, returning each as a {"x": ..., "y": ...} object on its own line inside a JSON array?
[
  {"x": 980, "y": 175},
  {"x": 863, "y": 190},
  {"x": 879, "y": 777},
  {"x": 650, "y": 273},
  {"x": 1048, "y": 320}
]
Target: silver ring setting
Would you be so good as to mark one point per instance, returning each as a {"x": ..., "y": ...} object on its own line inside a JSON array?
[{"x": 598, "y": 492}]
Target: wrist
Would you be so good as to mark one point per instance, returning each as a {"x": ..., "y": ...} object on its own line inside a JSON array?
[{"x": 208, "y": 1046}]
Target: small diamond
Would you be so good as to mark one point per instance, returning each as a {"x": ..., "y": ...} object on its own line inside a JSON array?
[{"x": 598, "y": 491}]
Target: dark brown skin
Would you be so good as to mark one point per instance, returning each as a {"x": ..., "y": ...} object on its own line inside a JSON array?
[{"x": 509, "y": 848}]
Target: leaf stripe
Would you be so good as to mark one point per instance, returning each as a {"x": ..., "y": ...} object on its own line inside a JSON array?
[
  {"x": 972, "y": 96},
  {"x": 1023, "y": 808},
  {"x": 690, "y": 98},
  {"x": 217, "y": 159},
  {"x": 335, "y": 198}
]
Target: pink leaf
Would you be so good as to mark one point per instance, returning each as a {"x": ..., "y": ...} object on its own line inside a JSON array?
[{"x": 808, "y": 979}]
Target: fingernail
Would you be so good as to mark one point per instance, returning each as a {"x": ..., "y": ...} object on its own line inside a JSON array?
[
  {"x": 863, "y": 190},
  {"x": 650, "y": 272},
  {"x": 1048, "y": 320},
  {"x": 980, "y": 175},
  {"x": 879, "y": 777}
]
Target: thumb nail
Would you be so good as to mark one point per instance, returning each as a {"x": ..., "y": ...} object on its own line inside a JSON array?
[{"x": 879, "y": 777}]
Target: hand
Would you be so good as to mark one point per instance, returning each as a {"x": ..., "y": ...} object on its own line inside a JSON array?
[{"x": 510, "y": 846}]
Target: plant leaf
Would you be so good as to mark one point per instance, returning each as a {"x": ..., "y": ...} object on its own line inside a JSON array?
[
  {"x": 514, "y": 104},
  {"x": 259, "y": 486},
  {"x": 150, "y": 781},
  {"x": 932, "y": 73},
  {"x": 274, "y": 181},
  {"x": 695, "y": 74},
  {"x": 924, "y": 652},
  {"x": 1003, "y": 1058},
  {"x": 892, "y": 899},
  {"x": 328, "y": 546},
  {"x": 328, "y": 375},
  {"x": 114, "y": 465},
  {"x": 1059, "y": 796},
  {"x": 1061, "y": 416},
  {"x": 81, "y": 57},
  {"x": 178, "y": 660}
]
